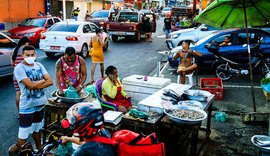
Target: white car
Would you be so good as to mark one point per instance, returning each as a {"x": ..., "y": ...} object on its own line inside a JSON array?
[
  {"x": 68, "y": 34},
  {"x": 166, "y": 10},
  {"x": 7, "y": 45},
  {"x": 191, "y": 34}
]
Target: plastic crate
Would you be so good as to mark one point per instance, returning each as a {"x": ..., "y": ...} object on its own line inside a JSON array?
[{"x": 214, "y": 86}]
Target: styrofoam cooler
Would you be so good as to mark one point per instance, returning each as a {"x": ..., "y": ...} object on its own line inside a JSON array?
[
  {"x": 138, "y": 89},
  {"x": 154, "y": 102}
]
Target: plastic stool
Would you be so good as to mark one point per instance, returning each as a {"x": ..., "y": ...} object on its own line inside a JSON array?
[{"x": 190, "y": 79}]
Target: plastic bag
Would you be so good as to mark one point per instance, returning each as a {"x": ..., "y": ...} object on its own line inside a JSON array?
[
  {"x": 91, "y": 89},
  {"x": 220, "y": 116},
  {"x": 64, "y": 149},
  {"x": 266, "y": 87},
  {"x": 71, "y": 92},
  {"x": 138, "y": 114}
]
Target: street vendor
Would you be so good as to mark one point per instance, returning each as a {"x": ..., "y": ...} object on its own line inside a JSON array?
[
  {"x": 112, "y": 90},
  {"x": 70, "y": 71},
  {"x": 186, "y": 66}
]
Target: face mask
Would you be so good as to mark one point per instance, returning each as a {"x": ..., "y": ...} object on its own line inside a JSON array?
[{"x": 30, "y": 60}]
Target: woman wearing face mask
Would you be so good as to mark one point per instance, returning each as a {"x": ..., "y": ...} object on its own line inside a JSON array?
[
  {"x": 15, "y": 60},
  {"x": 97, "y": 54}
]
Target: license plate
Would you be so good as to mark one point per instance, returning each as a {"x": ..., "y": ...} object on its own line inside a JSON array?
[
  {"x": 55, "y": 48},
  {"x": 121, "y": 33}
]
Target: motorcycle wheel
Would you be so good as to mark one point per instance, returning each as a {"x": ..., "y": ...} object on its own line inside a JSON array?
[
  {"x": 263, "y": 68},
  {"x": 220, "y": 72}
]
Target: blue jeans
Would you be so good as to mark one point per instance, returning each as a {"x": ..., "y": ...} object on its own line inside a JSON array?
[
  {"x": 167, "y": 31},
  {"x": 76, "y": 18}
]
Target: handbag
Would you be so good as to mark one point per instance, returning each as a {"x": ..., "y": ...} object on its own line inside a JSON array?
[
  {"x": 129, "y": 143},
  {"x": 132, "y": 143}
]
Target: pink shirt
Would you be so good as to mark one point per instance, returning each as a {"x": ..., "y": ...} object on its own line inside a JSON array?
[{"x": 70, "y": 73}]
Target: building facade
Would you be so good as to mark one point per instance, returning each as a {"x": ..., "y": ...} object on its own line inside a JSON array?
[{"x": 17, "y": 10}]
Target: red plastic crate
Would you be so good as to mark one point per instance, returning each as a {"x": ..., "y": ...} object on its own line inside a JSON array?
[{"x": 214, "y": 86}]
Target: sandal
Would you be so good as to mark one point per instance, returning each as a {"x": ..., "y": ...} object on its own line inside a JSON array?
[{"x": 13, "y": 150}]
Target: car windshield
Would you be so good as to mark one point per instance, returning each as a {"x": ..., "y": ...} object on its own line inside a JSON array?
[
  {"x": 100, "y": 14},
  {"x": 36, "y": 22},
  {"x": 167, "y": 9},
  {"x": 65, "y": 27}
]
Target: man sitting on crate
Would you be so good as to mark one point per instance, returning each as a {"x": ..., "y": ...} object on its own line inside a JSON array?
[{"x": 186, "y": 66}]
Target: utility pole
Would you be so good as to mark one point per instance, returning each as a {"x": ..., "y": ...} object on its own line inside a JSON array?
[
  {"x": 194, "y": 8},
  {"x": 64, "y": 10}
]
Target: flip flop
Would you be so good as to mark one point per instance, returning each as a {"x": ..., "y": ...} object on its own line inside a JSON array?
[
  {"x": 13, "y": 150},
  {"x": 92, "y": 82}
]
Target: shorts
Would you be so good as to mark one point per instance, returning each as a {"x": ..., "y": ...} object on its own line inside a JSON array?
[
  {"x": 16, "y": 85},
  {"x": 167, "y": 32},
  {"x": 29, "y": 123}
]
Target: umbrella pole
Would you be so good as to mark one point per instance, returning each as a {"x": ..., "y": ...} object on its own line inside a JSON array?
[{"x": 250, "y": 66}]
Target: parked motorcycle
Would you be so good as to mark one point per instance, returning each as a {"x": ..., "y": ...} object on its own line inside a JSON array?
[
  {"x": 225, "y": 67},
  {"x": 51, "y": 144}
]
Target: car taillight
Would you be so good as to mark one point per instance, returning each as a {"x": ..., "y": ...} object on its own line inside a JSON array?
[
  {"x": 108, "y": 26},
  {"x": 42, "y": 37},
  {"x": 71, "y": 38},
  {"x": 134, "y": 27}
]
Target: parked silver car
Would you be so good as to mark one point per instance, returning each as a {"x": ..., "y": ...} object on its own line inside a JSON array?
[
  {"x": 191, "y": 34},
  {"x": 6, "y": 47}
]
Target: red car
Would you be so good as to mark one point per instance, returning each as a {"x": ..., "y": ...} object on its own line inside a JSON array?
[{"x": 32, "y": 28}]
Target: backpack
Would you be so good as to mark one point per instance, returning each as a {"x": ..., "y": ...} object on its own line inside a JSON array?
[{"x": 129, "y": 143}]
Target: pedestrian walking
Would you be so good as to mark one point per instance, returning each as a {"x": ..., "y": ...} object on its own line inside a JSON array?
[
  {"x": 96, "y": 52},
  {"x": 147, "y": 28},
  {"x": 32, "y": 78},
  {"x": 87, "y": 16},
  {"x": 40, "y": 14},
  {"x": 17, "y": 58},
  {"x": 76, "y": 13},
  {"x": 70, "y": 71},
  {"x": 167, "y": 25},
  {"x": 60, "y": 14}
]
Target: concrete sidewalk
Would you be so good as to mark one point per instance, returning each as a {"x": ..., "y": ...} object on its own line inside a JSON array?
[{"x": 233, "y": 136}]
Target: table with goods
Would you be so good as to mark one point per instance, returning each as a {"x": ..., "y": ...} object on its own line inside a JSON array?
[
  {"x": 183, "y": 109},
  {"x": 175, "y": 112}
]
